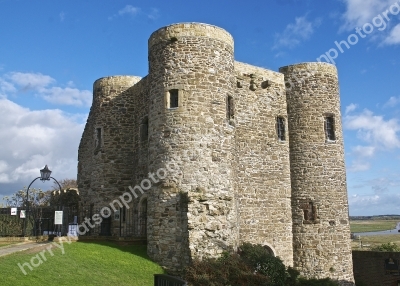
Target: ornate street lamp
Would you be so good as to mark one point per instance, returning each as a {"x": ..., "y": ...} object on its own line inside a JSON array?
[{"x": 44, "y": 176}]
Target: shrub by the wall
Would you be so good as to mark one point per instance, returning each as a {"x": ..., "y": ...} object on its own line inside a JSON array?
[{"x": 253, "y": 265}]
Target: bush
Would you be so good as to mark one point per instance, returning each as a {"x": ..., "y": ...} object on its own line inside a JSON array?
[
  {"x": 230, "y": 269},
  {"x": 259, "y": 258},
  {"x": 253, "y": 265},
  {"x": 316, "y": 282},
  {"x": 390, "y": 246}
]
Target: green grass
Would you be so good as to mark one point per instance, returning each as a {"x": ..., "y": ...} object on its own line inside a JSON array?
[
  {"x": 372, "y": 225},
  {"x": 83, "y": 263},
  {"x": 374, "y": 240}
]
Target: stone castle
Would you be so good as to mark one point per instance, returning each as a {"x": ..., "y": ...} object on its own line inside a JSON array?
[{"x": 258, "y": 155}]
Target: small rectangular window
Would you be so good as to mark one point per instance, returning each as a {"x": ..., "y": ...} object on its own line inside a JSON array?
[
  {"x": 230, "y": 109},
  {"x": 144, "y": 129},
  {"x": 310, "y": 212},
  {"x": 280, "y": 128},
  {"x": 173, "y": 98},
  {"x": 98, "y": 142},
  {"x": 330, "y": 128}
]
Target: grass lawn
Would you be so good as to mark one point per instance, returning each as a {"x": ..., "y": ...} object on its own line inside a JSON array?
[
  {"x": 375, "y": 240},
  {"x": 372, "y": 225},
  {"x": 83, "y": 263}
]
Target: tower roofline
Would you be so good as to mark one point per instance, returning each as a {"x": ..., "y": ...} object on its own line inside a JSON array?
[
  {"x": 190, "y": 29},
  {"x": 310, "y": 66}
]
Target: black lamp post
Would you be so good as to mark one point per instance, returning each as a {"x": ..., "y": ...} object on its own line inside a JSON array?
[{"x": 44, "y": 176}]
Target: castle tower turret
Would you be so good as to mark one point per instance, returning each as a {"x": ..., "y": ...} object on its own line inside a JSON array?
[
  {"x": 192, "y": 211},
  {"x": 321, "y": 230},
  {"x": 105, "y": 152}
]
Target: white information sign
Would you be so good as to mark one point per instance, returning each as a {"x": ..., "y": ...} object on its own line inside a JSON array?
[
  {"x": 22, "y": 214},
  {"x": 13, "y": 211},
  {"x": 58, "y": 217},
  {"x": 72, "y": 229}
]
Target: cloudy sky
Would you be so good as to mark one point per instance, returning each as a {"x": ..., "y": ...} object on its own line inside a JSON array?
[{"x": 51, "y": 52}]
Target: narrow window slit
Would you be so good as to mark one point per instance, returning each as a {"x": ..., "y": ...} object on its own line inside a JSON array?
[
  {"x": 173, "y": 98},
  {"x": 280, "y": 128}
]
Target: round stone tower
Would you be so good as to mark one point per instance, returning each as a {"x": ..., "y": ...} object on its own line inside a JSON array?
[
  {"x": 321, "y": 230},
  {"x": 105, "y": 165},
  {"x": 192, "y": 211}
]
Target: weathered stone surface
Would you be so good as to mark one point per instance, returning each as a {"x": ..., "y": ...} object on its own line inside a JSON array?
[
  {"x": 233, "y": 179},
  {"x": 317, "y": 172}
]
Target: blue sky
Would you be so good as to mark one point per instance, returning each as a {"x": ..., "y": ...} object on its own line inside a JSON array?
[{"x": 51, "y": 52}]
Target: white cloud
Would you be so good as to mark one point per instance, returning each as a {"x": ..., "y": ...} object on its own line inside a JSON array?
[
  {"x": 135, "y": 11},
  {"x": 394, "y": 37},
  {"x": 351, "y": 108},
  {"x": 67, "y": 96},
  {"x": 381, "y": 13},
  {"x": 62, "y": 16},
  {"x": 374, "y": 129},
  {"x": 359, "y": 12},
  {"x": 363, "y": 151},
  {"x": 375, "y": 204},
  {"x": 295, "y": 33},
  {"x": 129, "y": 9},
  {"x": 6, "y": 87},
  {"x": 29, "y": 81},
  {"x": 392, "y": 102},
  {"x": 43, "y": 86},
  {"x": 359, "y": 155},
  {"x": 154, "y": 14},
  {"x": 379, "y": 134},
  {"x": 32, "y": 139}
]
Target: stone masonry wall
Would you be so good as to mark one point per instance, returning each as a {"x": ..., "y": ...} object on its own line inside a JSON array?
[
  {"x": 105, "y": 152},
  {"x": 369, "y": 268},
  {"x": 263, "y": 166},
  {"x": 321, "y": 230},
  {"x": 194, "y": 208},
  {"x": 228, "y": 177}
]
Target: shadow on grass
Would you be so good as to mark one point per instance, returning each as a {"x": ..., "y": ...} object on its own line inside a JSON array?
[{"x": 135, "y": 249}]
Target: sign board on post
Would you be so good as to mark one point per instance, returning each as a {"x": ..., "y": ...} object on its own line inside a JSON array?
[
  {"x": 58, "y": 217},
  {"x": 22, "y": 214},
  {"x": 13, "y": 211}
]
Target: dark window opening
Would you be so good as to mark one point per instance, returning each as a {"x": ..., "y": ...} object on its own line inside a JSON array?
[
  {"x": 144, "y": 129},
  {"x": 230, "y": 109},
  {"x": 143, "y": 218},
  {"x": 330, "y": 128},
  {"x": 280, "y": 128},
  {"x": 310, "y": 212},
  {"x": 98, "y": 138},
  {"x": 123, "y": 214},
  {"x": 173, "y": 98},
  {"x": 269, "y": 250}
]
